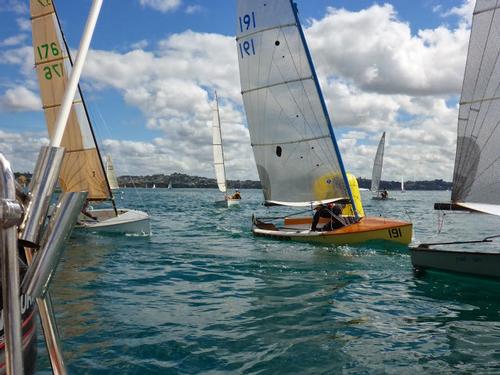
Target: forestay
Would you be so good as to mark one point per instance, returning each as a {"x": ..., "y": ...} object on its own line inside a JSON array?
[
  {"x": 295, "y": 150},
  {"x": 378, "y": 164},
  {"x": 82, "y": 169},
  {"x": 476, "y": 177},
  {"x": 220, "y": 171}
]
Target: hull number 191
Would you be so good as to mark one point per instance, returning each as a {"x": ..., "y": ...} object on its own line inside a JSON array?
[{"x": 394, "y": 232}]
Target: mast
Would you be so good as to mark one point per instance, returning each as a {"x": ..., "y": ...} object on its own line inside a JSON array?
[{"x": 325, "y": 110}]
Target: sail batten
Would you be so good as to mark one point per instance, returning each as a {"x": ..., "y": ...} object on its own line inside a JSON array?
[
  {"x": 82, "y": 168},
  {"x": 277, "y": 84},
  {"x": 477, "y": 160},
  {"x": 286, "y": 113}
]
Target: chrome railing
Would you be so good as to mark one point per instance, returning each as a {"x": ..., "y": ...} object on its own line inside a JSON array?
[
  {"x": 43, "y": 245},
  {"x": 10, "y": 216}
]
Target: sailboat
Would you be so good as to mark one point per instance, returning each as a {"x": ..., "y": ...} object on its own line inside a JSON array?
[
  {"x": 169, "y": 184},
  {"x": 111, "y": 174},
  {"x": 218, "y": 150},
  {"x": 83, "y": 168},
  {"x": 297, "y": 156},
  {"x": 476, "y": 177},
  {"x": 377, "y": 172},
  {"x": 403, "y": 184}
]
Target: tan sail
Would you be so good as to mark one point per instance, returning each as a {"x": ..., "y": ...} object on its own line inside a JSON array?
[{"x": 82, "y": 168}]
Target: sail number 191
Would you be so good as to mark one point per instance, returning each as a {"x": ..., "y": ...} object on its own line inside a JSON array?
[
  {"x": 247, "y": 21},
  {"x": 394, "y": 232}
]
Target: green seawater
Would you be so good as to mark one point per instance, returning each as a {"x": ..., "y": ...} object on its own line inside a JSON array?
[{"x": 203, "y": 296}]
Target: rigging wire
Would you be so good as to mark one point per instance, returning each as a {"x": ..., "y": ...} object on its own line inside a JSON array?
[{"x": 107, "y": 129}]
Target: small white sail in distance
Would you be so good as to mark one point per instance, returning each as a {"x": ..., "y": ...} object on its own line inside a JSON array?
[
  {"x": 377, "y": 165},
  {"x": 402, "y": 184},
  {"x": 476, "y": 177},
  {"x": 218, "y": 150},
  {"x": 111, "y": 174}
]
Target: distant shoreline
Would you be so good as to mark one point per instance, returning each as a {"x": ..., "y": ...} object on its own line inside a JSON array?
[{"x": 180, "y": 180}]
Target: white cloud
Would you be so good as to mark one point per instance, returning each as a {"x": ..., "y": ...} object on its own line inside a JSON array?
[
  {"x": 141, "y": 44},
  {"x": 173, "y": 87},
  {"x": 13, "y": 40},
  {"x": 22, "y": 149},
  {"x": 191, "y": 9},
  {"x": 464, "y": 11},
  {"x": 24, "y": 24},
  {"x": 163, "y": 6},
  {"x": 19, "y": 99},
  {"x": 16, "y": 6},
  {"x": 378, "y": 52},
  {"x": 22, "y": 57}
]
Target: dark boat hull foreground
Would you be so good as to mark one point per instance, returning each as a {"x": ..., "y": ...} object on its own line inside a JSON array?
[
  {"x": 29, "y": 337},
  {"x": 465, "y": 262}
]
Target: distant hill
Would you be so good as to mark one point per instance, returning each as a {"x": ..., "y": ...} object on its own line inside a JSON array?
[
  {"x": 181, "y": 180},
  {"x": 409, "y": 185}
]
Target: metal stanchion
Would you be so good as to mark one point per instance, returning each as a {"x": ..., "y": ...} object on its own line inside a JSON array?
[
  {"x": 40, "y": 273},
  {"x": 42, "y": 187},
  {"x": 10, "y": 214},
  {"x": 49, "y": 326}
]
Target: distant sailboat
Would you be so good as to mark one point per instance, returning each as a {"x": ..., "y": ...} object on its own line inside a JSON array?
[
  {"x": 169, "y": 184},
  {"x": 402, "y": 185},
  {"x": 83, "y": 168},
  {"x": 378, "y": 164},
  {"x": 154, "y": 186},
  {"x": 297, "y": 156},
  {"x": 218, "y": 150},
  {"x": 111, "y": 174},
  {"x": 476, "y": 177}
]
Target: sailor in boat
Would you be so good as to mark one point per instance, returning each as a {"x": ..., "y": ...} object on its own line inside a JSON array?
[
  {"x": 330, "y": 211},
  {"x": 236, "y": 195},
  {"x": 86, "y": 213},
  {"x": 384, "y": 194}
]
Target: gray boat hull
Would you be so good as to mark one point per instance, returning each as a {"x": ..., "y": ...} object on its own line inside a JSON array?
[{"x": 466, "y": 262}]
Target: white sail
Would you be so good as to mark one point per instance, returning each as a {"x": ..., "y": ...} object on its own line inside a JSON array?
[
  {"x": 82, "y": 169},
  {"x": 295, "y": 150},
  {"x": 220, "y": 171},
  {"x": 476, "y": 178},
  {"x": 377, "y": 165},
  {"x": 402, "y": 184},
  {"x": 111, "y": 174}
]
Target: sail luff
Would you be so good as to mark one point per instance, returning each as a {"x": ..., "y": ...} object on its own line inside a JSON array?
[
  {"x": 378, "y": 163},
  {"x": 324, "y": 107},
  {"x": 218, "y": 149}
]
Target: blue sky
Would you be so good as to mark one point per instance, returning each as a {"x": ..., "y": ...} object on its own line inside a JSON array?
[{"x": 155, "y": 116}]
